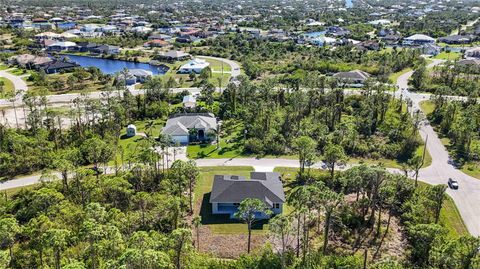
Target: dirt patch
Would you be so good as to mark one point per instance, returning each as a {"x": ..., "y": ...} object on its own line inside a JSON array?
[{"x": 228, "y": 246}]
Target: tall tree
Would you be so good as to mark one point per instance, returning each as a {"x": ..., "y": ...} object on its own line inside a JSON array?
[
  {"x": 247, "y": 211},
  {"x": 306, "y": 150},
  {"x": 281, "y": 227}
]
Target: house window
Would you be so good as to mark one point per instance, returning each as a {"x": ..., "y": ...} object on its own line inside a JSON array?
[
  {"x": 236, "y": 204},
  {"x": 277, "y": 206}
]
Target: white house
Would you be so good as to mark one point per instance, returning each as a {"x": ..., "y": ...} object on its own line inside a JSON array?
[
  {"x": 131, "y": 130},
  {"x": 196, "y": 65},
  {"x": 188, "y": 127},
  {"x": 473, "y": 53},
  {"x": 418, "y": 39},
  {"x": 60, "y": 46},
  {"x": 189, "y": 101}
]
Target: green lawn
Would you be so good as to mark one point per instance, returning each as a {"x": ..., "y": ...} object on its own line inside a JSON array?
[
  {"x": 451, "y": 56},
  {"x": 220, "y": 224},
  {"x": 8, "y": 88},
  {"x": 450, "y": 218},
  {"x": 216, "y": 65},
  {"x": 130, "y": 144},
  {"x": 230, "y": 145},
  {"x": 394, "y": 77},
  {"x": 18, "y": 72},
  {"x": 427, "y": 107},
  {"x": 3, "y": 67},
  {"x": 472, "y": 169}
]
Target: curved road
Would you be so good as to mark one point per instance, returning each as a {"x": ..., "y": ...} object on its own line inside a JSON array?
[
  {"x": 21, "y": 86},
  {"x": 467, "y": 197},
  {"x": 18, "y": 83}
]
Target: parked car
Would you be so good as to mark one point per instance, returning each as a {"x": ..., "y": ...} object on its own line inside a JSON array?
[{"x": 452, "y": 183}]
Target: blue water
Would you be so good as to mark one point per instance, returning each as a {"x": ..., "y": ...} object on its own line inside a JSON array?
[
  {"x": 109, "y": 66},
  {"x": 315, "y": 34},
  {"x": 348, "y": 3}
]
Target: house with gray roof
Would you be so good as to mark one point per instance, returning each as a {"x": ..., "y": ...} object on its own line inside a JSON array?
[
  {"x": 228, "y": 191},
  {"x": 190, "y": 127},
  {"x": 355, "y": 78}
]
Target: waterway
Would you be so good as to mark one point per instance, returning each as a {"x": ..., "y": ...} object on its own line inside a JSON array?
[{"x": 112, "y": 66}]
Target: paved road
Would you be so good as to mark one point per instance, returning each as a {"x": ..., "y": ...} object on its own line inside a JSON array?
[
  {"x": 20, "y": 85},
  {"x": 467, "y": 197}
]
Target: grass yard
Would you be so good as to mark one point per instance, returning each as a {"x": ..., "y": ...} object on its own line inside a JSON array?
[
  {"x": 450, "y": 56},
  {"x": 427, "y": 107},
  {"x": 230, "y": 144},
  {"x": 8, "y": 88},
  {"x": 450, "y": 218},
  {"x": 220, "y": 224},
  {"x": 216, "y": 65},
  {"x": 394, "y": 77},
  {"x": 18, "y": 72},
  {"x": 130, "y": 144},
  {"x": 86, "y": 85},
  {"x": 472, "y": 169},
  {"x": 3, "y": 67}
]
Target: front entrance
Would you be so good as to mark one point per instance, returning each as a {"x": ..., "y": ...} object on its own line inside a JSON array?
[{"x": 201, "y": 134}]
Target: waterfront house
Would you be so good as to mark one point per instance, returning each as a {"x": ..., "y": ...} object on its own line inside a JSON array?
[
  {"x": 172, "y": 56},
  {"x": 196, "y": 65},
  {"x": 62, "y": 46},
  {"x": 57, "y": 66}
]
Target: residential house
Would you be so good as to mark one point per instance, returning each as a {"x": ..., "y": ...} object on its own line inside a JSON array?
[
  {"x": 57, "y": 66},
  {"x": 322, "y": 41},
  {"x": 156, "y": 43},
  {"x": 355, "y": 78},
  {"x": 196, "y": 65},
  {"x": 189, "y": 101},
  {"x": 368, "y": 45},
  {"x": 29, "y": 61},
  {"x": 392, "y": 39},
  {"x": 105, "y": 49},
  {"x": 190, "y": 127},
  {"x": 430, "y": 49},
  {"x": 337, "y": 31},
  {"x": 472, "y": 53},
  {"x": 61, "y": 46},
  {"x": 472, "y": 62},
  {"x": 172, "y": 56},
  {"x": 228, "y": 191},
  {"x": 141, "y": 75},
  {"x": 457, "y": 39},
  {"x": 418, "y": 39}
]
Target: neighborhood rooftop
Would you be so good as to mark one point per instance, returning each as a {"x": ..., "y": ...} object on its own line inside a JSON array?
[{"x": 265, "y": 186}]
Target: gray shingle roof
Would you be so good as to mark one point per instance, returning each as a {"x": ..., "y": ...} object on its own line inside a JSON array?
[
  {"x": 353, "y": 75},
  {"x": 265, "y": 186},
  {"x": 179, "y": 125}
]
